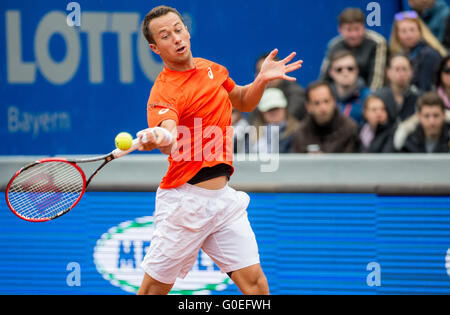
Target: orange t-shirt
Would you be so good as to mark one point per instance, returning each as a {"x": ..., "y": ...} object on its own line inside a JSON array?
[{"x": 198, "y": 101}]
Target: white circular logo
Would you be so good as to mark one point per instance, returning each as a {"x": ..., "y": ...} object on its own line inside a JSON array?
[
  {"x": 120, "y": 251},
  {"x": 447, "y": 262}
]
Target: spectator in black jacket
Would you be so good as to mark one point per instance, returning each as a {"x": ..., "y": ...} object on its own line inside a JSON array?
[
  {"x": 377, "y": 133},
  {"x": 412, "y": 37},
  {"x": 446, "y": 36},
  {"x": 369, "y": 48},
  {"x": 399, "y": 95},
  {"x": 432, "y": 134}
]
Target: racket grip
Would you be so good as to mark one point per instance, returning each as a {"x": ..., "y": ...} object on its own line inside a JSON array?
[{"x": 119, "y": 153}]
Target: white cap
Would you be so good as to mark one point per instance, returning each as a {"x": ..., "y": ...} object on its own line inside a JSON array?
[{"x": 272, "y": 98}]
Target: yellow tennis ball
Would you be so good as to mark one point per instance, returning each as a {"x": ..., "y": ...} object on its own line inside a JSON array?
[{"x": 124, "y": 141}]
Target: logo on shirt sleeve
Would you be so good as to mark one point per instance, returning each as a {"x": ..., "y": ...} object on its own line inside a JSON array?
[
  {"x": 164, "y": 111},
  {"x": 210, "y": 73}
]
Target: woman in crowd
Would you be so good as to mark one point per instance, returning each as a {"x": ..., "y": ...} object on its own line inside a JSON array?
[
  {"x": 376, "y": 134},
  {"x": 412, "y": 37},
  {"x": 399, "y": 95}
]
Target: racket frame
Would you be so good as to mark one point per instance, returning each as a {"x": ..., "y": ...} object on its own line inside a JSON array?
[{"x": 73, "y": 162}]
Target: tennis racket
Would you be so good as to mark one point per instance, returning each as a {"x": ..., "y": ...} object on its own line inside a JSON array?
[{"x": 49, "y": 188}]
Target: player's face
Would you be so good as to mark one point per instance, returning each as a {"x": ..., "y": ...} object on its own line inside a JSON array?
[
  {"x": 353, "y": 33},
  {"x": 321, "y": 105},
  {"x": 172, "y": 41},
  {"x": 432, "y": 120}
]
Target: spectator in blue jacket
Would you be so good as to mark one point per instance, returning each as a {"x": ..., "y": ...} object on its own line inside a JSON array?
[
  {"x": 349, "y": 88},
  {"x": 434, "y": 13}
]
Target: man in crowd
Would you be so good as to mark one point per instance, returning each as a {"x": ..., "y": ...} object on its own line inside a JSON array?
[
  {"x": 348, "y": 87},
  {"x": 369, "y": 47},
  {"x": 325, "y": 129},
  {"x": 432, "y": 133}
]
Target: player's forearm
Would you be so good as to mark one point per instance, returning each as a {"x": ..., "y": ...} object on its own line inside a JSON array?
[{"x": 250, "y": 95}]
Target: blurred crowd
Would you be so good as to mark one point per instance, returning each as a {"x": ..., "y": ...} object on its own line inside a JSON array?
[{"x": 373, "y": 95}]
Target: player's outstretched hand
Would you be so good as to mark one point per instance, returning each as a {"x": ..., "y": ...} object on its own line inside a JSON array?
[{"x": 272, "y": 69}]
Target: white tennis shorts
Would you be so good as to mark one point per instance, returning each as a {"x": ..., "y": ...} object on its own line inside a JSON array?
[{"x": 189, "y": 218}]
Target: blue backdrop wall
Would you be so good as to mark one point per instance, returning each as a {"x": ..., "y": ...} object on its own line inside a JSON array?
[
  {"x": 70, "y": 90},
  {"x": 309, "y": 244}
]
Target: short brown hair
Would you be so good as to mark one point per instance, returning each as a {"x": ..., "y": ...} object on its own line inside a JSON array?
[
  {"x": 351, "y": 15},
  {"x": 342, "y": 53},
  {"x": 398, "y": 55},
  {"x": 315, "y": 85},
  {"x": 430, "y": 99},
  {"x": 370, "y": 98},
  {"x": 153, "y": 14}
]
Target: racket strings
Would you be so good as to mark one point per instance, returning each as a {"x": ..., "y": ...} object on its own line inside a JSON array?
[{"x": 45, "y": 190}]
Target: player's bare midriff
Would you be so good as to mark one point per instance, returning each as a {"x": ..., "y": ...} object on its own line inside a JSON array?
[{"x": 214, "y": 184}]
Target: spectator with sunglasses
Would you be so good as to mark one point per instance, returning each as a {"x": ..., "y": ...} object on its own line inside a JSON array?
[
  {"x": 411, "y": 36},
  {"x": 369, "y": 48},
  {"x": 349, "y": 88},
  {"x": 443, "y": 82}
]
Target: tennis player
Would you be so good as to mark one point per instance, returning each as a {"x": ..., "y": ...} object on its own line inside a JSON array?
[{"x": 189, "y": 110}]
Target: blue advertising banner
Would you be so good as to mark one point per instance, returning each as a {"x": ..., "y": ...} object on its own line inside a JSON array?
[
  {"x": 308, "y": 243},
  {"x": 75, "y": 74}
]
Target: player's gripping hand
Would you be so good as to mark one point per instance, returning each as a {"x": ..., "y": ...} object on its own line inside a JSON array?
[{"x": 156, "y": 138}]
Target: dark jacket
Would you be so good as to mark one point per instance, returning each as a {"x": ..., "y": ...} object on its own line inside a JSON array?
[
  {"x": 415, "y": 143},
  {"x": 339, "y": 136},
  {"x": 399, "y": 112},
  {"x": 425, "y": 60},
  {"x": 446, "y": 36},
  {"x": 295, "y": 96},
  {"x": 383, "y": 140},
  {"x": 371, "y": 57}
]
